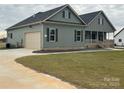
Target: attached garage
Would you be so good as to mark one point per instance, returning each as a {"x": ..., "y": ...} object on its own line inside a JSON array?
[{"x": 33, "y": 40}]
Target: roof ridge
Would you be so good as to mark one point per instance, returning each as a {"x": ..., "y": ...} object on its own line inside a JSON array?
[
  {"x": 88, "y": 17},
  {"x": 55, "y": 8},
  {"x": 119, "y": 32},
  {"x": 92, "y": 12},
  {"x": 50, "y": 9}
]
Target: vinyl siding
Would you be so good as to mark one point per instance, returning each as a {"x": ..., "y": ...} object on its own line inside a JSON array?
[
  {"x": 119, "y": 36},
  {"x": 59, "y": 17},
  {"x": 94, "y": 26},
  {"x": 65, "y": 37},
  {"x": 18, "y": 34}
]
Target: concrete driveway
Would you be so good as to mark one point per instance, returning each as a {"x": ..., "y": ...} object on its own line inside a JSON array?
[{"x": 14, "y": 75}]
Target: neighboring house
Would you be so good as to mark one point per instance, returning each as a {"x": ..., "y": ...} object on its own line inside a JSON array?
[
  {"x": 119, "y": 38},
  {"x": 60, "y": 28}
]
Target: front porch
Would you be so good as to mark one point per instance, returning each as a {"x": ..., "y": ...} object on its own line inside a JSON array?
[{"x": 98, "y": 39}]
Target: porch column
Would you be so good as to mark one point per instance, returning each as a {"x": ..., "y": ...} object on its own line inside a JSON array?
[
  {"x": 91, "y": 36},
  {"x": 103, "y": 36},
  {"x": 108, "y": 35},
  {"x": 84, "y": 36},
  {"x": 97, "y": 37}
]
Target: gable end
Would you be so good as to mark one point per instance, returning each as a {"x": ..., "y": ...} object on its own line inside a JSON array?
[{"x": 61, "y": 10}]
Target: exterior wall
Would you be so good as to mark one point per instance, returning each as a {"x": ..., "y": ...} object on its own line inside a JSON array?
[
  {"x": 65, "y": 37},
  {"x": 119, "y": 36},
  {"x": 94, "y": 26},
  {"x": 18, "y": 34},
  {"x": 58, "y": 17},
  {"x": 65, "y": 32}
]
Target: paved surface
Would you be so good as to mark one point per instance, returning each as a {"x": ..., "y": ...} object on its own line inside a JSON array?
[{"x": 14, "y": 75}]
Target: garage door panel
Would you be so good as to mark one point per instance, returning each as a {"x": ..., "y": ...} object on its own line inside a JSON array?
[{"x": 32, "y": 40}]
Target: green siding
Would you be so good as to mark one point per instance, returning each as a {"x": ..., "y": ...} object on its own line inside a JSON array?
[
  {"x": 59, "y": 17},
  {"x": 94, "y": 26},
  {"x": 18, "y": 34},
  {"x": 65, "y": 37}
]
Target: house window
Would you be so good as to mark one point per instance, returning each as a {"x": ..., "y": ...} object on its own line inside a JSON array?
[
  {"x": 77, "y": 35},
  {"x": 69, "y": 15},
  {"x": 94, "y": 35},
  {"x": 88, "y": 35},
  {"x": 52, "y": 35},
  {"x": 120, "y": 40},
  {"x": 66, "y": 14},
  {"x": 100, "y": 21},
  {"x": 100, "y": 36}
]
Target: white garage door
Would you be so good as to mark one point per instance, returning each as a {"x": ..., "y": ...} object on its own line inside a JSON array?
[{"x": 33, "y": 40}]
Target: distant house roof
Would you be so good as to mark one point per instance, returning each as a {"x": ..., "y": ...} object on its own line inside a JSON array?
[
  {"x": 119, "y": 32},
  {"x": 41, "y": 16},
  {"x": 89, "y": 16}
]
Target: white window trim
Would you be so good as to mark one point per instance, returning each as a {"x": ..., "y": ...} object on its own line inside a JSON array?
[
  {"x": 54, "y": 35},
  {"x": 78, "y": 35}
]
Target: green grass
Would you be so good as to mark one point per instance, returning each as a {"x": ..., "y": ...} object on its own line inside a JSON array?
[{"x": 84, "y": 70}]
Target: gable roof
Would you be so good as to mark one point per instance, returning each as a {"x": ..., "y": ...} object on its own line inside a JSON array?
[
  {"x": 40, "y": 16},
  {"x": 89, "y": 16},
  {"x": 119, "y": 32},
  {"x": 43, "y": 16}
]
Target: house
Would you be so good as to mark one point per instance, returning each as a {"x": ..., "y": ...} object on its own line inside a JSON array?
[
  {"x": 60, "y": 28},
  {"x": 119, "y": 38}
]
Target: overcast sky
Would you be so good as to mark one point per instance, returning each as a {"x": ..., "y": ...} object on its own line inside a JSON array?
[{"x": 11, "y": 14}]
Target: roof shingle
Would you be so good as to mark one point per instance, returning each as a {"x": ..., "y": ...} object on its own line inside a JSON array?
[
  {"x": 87, "y": 18},
  {"x": 40, "y": 16}
]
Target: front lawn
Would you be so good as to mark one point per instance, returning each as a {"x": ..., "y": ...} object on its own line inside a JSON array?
[{"x": 84, "y": 70}]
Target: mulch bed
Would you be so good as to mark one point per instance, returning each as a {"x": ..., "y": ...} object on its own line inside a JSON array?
[{"x": 55, "y": 51}]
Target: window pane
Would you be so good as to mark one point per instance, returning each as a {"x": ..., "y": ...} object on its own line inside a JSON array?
[
  {"x": 63, "y": 14},
  {"x": 78, "y": 32},
  {"x": 52, "y": 35},
  {"x": 100, "y": 36},
  {"x": 69, "y": 14},
  {"x": 94, "y": 35},
  {"x": 78, "y": 38},
  {"x": 88, "y": 35},
  {"x": 102, "y": 21},
  {"x": 51, "y": 38},
  {"x": 120, "y": 40},
  {"x": 78, "y": 35},
  {"x": 98, "y": 20},
  {"x": 66, "y": 14},
  {"x": 52, "y": 32}
]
